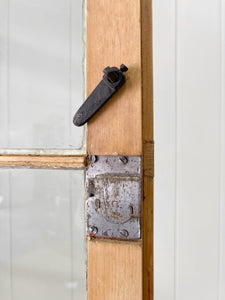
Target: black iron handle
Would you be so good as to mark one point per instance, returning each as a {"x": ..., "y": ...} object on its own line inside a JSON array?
[{"x": 111, "y": 82}]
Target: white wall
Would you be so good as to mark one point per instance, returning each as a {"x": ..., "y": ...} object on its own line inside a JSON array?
[{"x": 189, "y": 81}]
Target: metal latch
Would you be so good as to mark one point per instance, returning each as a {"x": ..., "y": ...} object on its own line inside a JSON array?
[
  {"x": 112, "y": 81},
  {"x": 113, "y": 185}
]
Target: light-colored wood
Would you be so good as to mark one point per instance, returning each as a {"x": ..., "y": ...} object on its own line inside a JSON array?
[
  {"x": 113, "y": 38},
  {"x": 121, "y": 32},
  {"x": 114, "y": 271},
  {"x": 148, "y": 150},
  {"x": 43, "y": 161}
]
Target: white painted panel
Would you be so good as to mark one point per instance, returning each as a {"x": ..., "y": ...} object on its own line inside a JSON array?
[
  {"x": 42, "y": 63},
  {"x": 47, "y": 235},
  {"x": 5, "y": 234},
  {"x": 198, "y": 142},
  {"x": 188, "y": 150},
  {"x": 222, "y": 163},
  {"x": 3, "y": 72},
  {"x": 164, "y": 103}
]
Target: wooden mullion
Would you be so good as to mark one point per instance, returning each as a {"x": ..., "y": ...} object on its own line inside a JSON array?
[{"x": 44, "y": 161}]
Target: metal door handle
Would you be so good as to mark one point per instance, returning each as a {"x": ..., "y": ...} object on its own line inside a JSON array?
[{"x": 111, "y": 82}]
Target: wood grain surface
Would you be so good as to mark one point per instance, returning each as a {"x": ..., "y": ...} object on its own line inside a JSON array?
[
  {"x": 148, "y": 150},
  {"x": 121, "y": 32},
  {"x": 113, "y": 38},
  {"x": 43, "y": 161},
  {"x": 114, "y": 271}
]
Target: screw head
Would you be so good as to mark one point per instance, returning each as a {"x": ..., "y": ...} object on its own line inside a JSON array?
[
  {"x": 92, "y": 229},
  {"x": 123, "y": 68},
  {"x": 124, "y": 233},
  {"x": 123, "y": 159},
  {"x": 92, "y": 158}
]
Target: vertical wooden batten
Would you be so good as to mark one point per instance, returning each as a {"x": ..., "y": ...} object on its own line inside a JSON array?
[
  {"x": 120, "y": 32},
  {"x": 114, "y": 270},
  {"x": 148, "y": 150}
]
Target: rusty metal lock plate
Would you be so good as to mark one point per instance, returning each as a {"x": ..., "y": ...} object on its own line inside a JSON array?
[{"x": 114, "y": 197}]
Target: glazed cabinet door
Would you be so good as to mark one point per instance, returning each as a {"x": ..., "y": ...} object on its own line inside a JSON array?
[{"x": 76, "y": 202}]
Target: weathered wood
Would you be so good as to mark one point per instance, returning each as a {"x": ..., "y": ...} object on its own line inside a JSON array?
[
  {"x": 148, "y": 221},
  {"x": 43, "y": 161},
  {"x": 147, "y": 70},
  {"x": 114, "y": 271},
  {"x": 148, "y": 158},
  {"x": 148, "y": 235},
  {"x": 113, "y": 38},
  {"x": 148, "y": 150}
]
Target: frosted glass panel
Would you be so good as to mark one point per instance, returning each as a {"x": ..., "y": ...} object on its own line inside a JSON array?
[
  {"x": 42, "y": 241},
  {"x": 41, "y": 73}
]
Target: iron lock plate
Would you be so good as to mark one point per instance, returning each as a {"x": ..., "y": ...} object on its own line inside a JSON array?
[{"x": 114, "y": 194}]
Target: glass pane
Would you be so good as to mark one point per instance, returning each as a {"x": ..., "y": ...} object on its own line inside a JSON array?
[
  {"x": 42, "y": 241},
  {"x": 41, "y": 73}
]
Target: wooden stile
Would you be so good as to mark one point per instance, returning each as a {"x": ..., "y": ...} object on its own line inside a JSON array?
[
  {"x": 113, "y": 38},
  {"x": 120, "y": 32},
  {"x": 114, "y": 270}
]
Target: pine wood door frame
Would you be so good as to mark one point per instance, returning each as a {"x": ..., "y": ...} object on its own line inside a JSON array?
[{"x": 121, "y": 32}]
